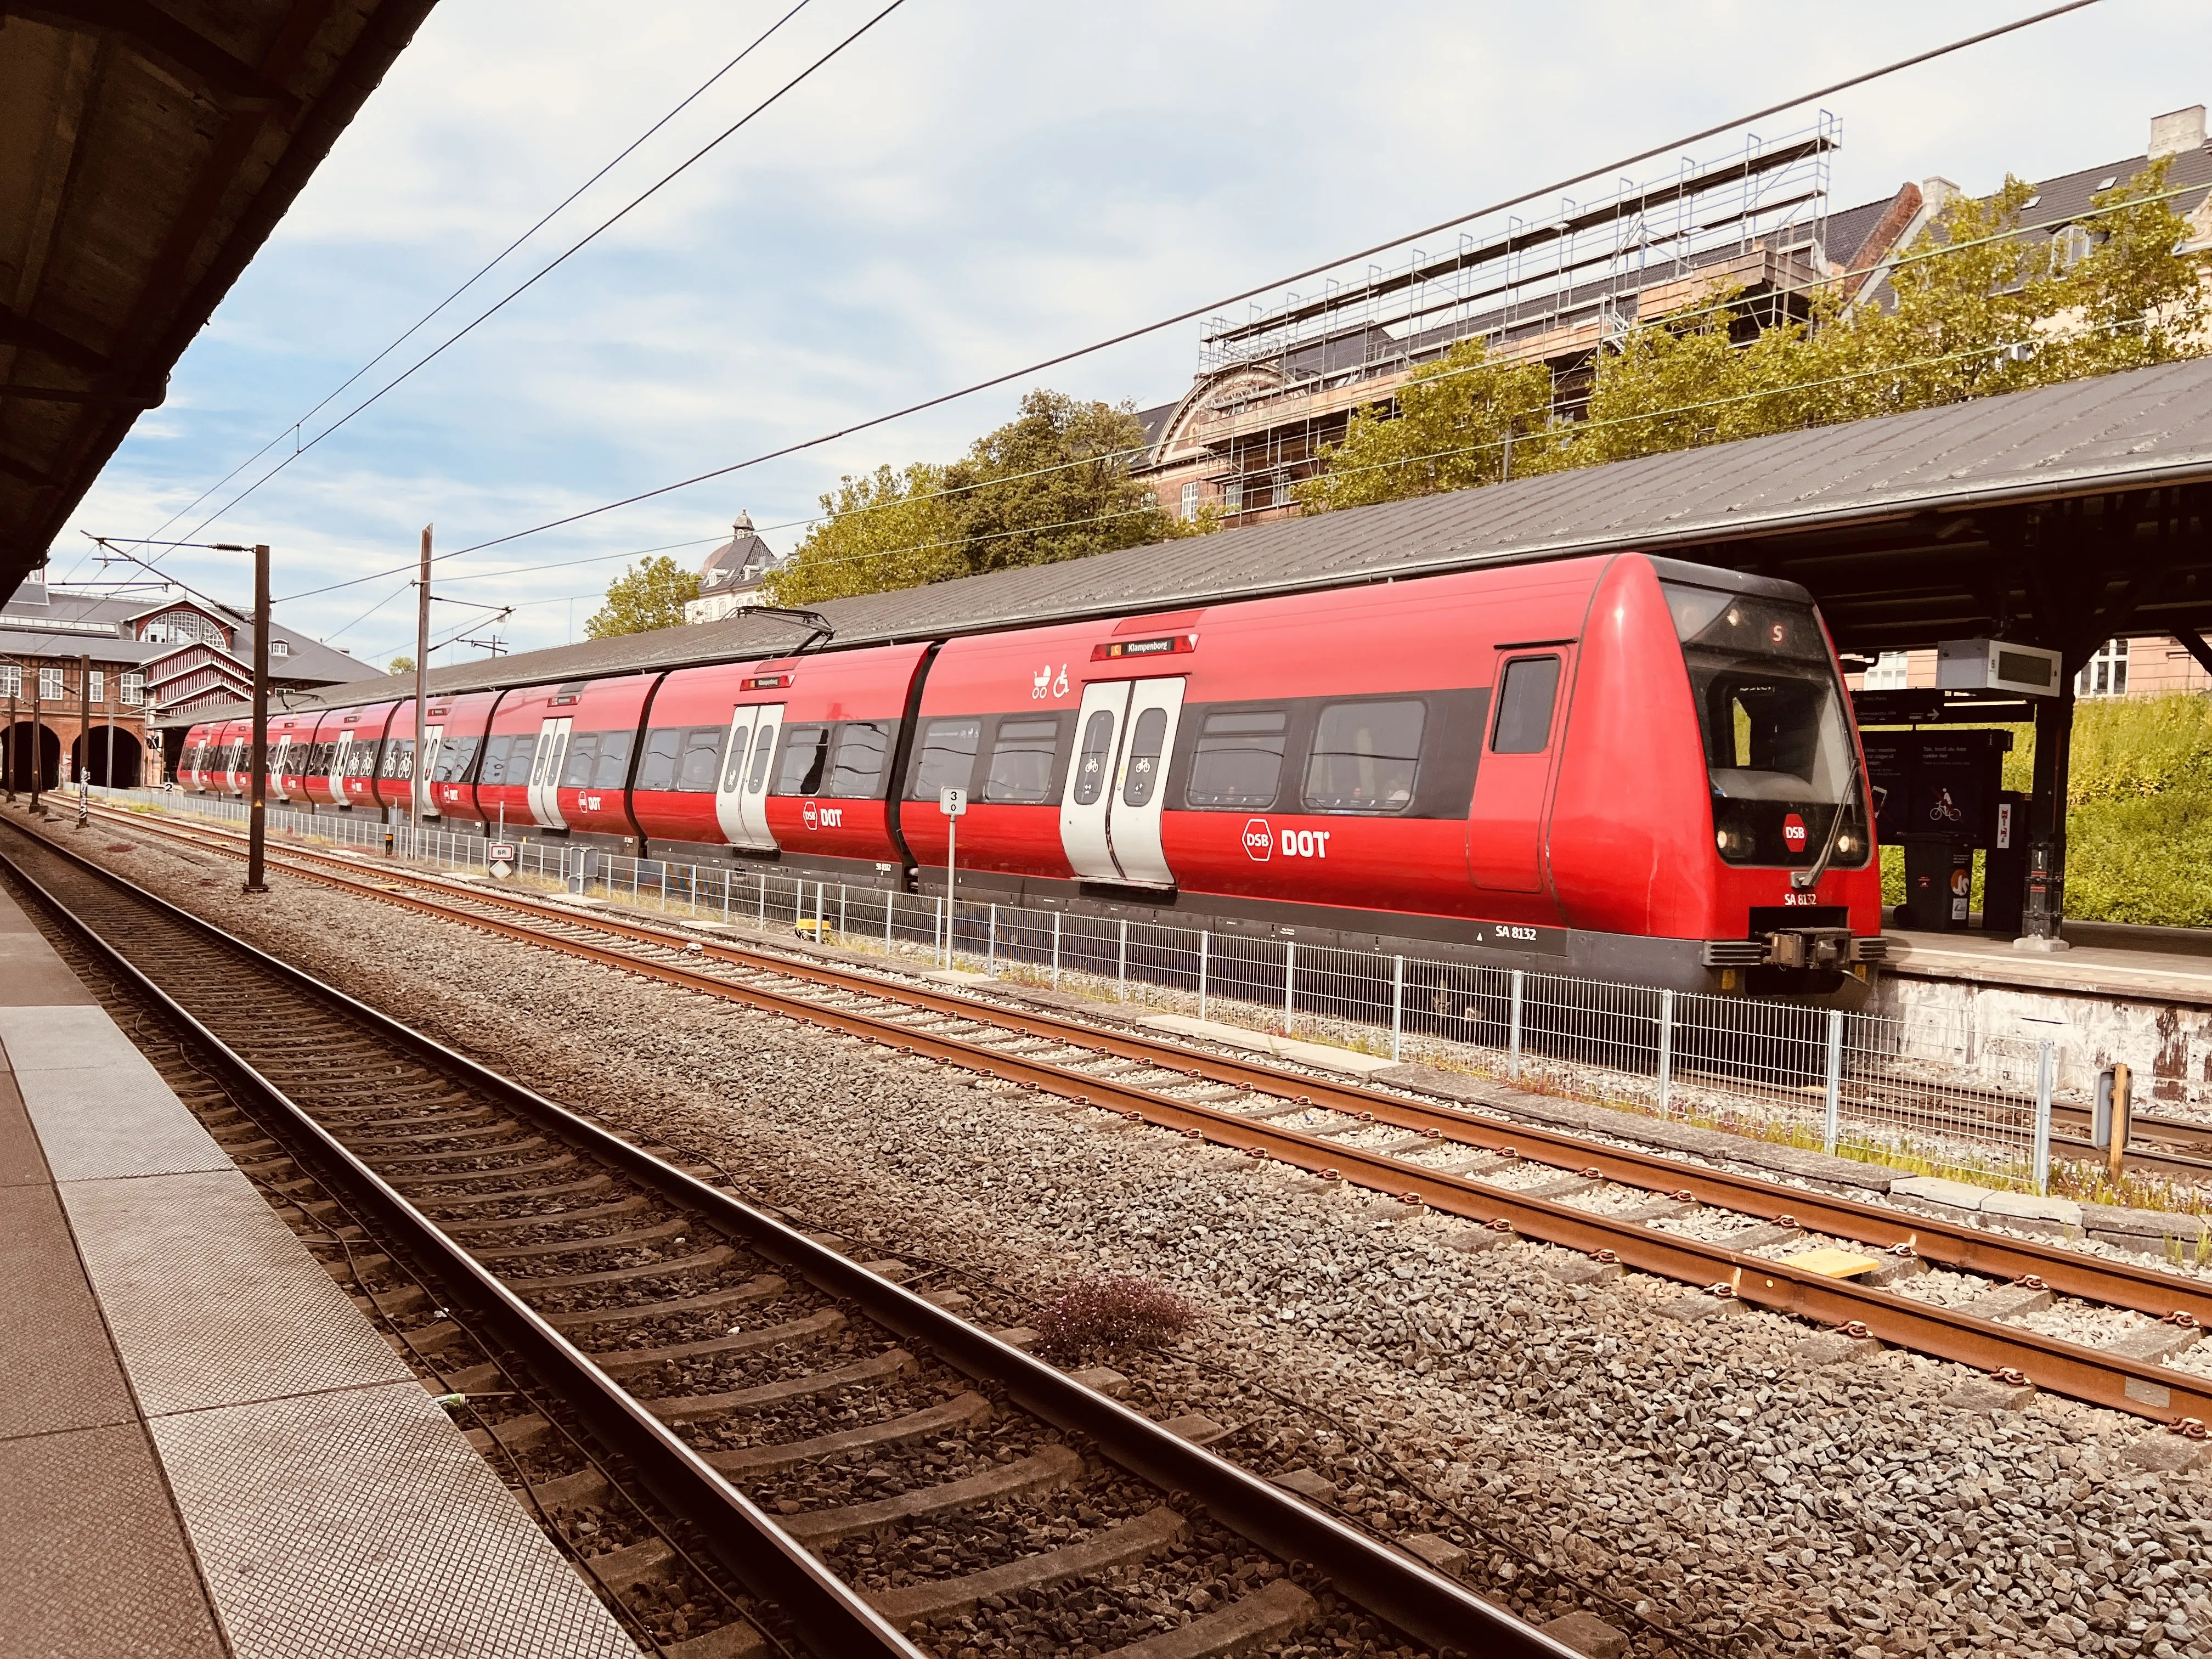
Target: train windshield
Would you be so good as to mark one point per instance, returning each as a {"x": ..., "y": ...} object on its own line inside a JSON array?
[{"x": 1771, "y": 713}]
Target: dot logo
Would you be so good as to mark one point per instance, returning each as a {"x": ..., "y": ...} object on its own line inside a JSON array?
[
  {"x": 1793, "y": 833},
  {"x": 1259, "y": 841}
]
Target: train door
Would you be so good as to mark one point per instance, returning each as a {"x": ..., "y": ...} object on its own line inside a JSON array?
[
  {"x": 341, "y": 755},
  {"x": 1505, "y": 826},
  {"x": 1140, "y": 792},
  {"x": 280, "y": 762},
  {"x": 741, "y": 799},
  {"x": 545, "y": 772},
  {"x": 1090, "y": 792},
  {"x": 427, "y": 806}
]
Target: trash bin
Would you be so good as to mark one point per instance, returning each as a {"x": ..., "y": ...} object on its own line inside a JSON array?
[{"x": 1939, "y": 879}]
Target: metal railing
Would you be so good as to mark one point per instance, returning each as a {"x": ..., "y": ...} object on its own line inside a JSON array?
[{"x": 1919, "y": 1094}]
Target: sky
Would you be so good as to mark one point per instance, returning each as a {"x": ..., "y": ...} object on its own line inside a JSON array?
[{"x": 970, "y": 187}]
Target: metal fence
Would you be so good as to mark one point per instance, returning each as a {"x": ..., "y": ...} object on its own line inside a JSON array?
[{"x": 1917, "y": 1095}]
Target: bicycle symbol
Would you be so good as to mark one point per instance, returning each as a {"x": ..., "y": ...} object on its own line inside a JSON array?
[{"x": 1943, "y": 811}]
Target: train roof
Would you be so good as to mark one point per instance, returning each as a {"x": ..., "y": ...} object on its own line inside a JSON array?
[{"x": 2128, "y": 431}]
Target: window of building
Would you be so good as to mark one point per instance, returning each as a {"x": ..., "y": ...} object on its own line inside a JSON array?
[
  {"x": 944, "y": 758},
  {"x": 50, "y": 685},
  {"x": 1238, "y": 761},
  {"x": 11, "y": 681},
  {"x": 2072, "y": 245},
  {"x": 1233, "y": 496},
  {"x": 2106, "y": 674},
  {"x": 1524, "y": 706},
  {"x": 280, "y": 648},
  {"x": 1888, "y": 673},
  {"x": 134, "y": 690},
  {"x": 1022, "y": 758},
  {"x": 98, "y": 685},
  {"x": 1365, "y": 755},
  {"x": 1190, "y": 499}
]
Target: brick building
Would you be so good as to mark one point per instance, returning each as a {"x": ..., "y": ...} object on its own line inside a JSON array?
[{"x": 154, "y": 660}]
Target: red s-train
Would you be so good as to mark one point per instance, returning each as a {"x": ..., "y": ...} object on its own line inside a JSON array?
[{"x": 1621, "y": 766}]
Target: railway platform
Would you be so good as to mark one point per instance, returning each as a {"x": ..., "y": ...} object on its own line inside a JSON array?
[{"x": 205, "y": 1450}]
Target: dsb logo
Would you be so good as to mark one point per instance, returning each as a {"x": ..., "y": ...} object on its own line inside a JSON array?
[
  {"x": 1259, "y": 841},
  {"x": 1793, "y": 833},
  {"x": 823, "y": 818}
]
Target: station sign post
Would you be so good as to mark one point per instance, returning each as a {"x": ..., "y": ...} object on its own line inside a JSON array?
[{"x": 953, "y": 803}]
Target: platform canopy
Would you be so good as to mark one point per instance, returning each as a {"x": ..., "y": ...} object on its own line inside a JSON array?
[{"x": 146, "y": 152}]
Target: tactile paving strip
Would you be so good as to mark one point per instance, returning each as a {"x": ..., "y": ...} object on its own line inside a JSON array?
[
  {"x": 92, "y": 1562},
  {"x": 60, "y": 1373},
  {"x": 342, "y": 1526},
  {"x": 212, "y": 1300}
]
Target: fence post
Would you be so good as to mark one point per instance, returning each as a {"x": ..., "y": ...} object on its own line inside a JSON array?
[
  {"x": 943, "y": 947},
  {"x": 1831, "y": 1130},
  {"x": 1397, "y": 1004},
  {"x": 1666, "y": 1050},
  {"x": 890, "y": 911},
  {"x": 1290, "y": 981},
  {"x": 2046, "y": 1079},
  {"x": 1055, "y": 949},
  {"x": 818, "y": 886},
  {"x": 1202, "y": 938},
  {"x": 841, "y": 913},
  {"x": 760, "y": 920},
  {"x": 1514, "y": 1035},
  {"x": 1122, "y": 971},
  {"x": 991, "y": 962}
]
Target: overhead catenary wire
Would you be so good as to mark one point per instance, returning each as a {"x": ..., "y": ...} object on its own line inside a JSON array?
[
  {"x": 567, "y": 253},
  {"x": 1211, "y": 306},
  {"x": 490, "y": 265}
]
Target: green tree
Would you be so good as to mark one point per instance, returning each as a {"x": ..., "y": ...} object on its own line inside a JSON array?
[
  {"x": 1979, "y": 310},
  {"x": 402, "y": 665},
  {"x": 1052, "y": 484},
  {"x": 649, "y": 595}
]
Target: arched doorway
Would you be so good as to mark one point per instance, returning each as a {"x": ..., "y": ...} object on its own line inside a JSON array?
[
  {"x": 127, "y": 754},
  {"x": 23, "y": 741}
]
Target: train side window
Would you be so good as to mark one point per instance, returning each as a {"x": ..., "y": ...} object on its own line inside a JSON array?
[
  {"x": 515, "y": 769},
  {"x": 658, "y": 769},
  {"x": 944, "y": 758},
  {"x": 1147, "y": 737},
  {"x": 700, "y": 761},
  {"x": 611, "y": 770},
  {"x": 1238, "y": 761},
  {"x": 576, "y": 770},
  {"x": 1096, "y": 758},
  {"x": 858, "y": 770},
  {"x": 806, "y": 758},
  {"x": 1525, "y": 696},
  {"x": 734, "y": 774},
  {"x": 764, "y": 750},
  {"x": 1021, "y": 760},
  {"x": 453, "y": 759},
  {"x": 1365, "y": 757}
]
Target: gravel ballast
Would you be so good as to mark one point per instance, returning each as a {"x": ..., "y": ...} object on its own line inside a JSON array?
[{"x": 1702, "y": 1470}]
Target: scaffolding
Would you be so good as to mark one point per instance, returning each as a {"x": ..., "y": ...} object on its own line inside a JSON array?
[{"x": 1557, "y": 289}]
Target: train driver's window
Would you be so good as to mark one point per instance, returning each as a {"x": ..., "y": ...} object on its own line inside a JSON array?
[
  {"x": 1022, "y": 758},
  {"x": 1097, "y": 758},
  {"x": 1525, "y": 696},
  {"x": 806, "y": 758},
  {"x": 763, "y": 748},
  {"x": 944, "y": 758},
  {"x": 857, "y": 769},
  {"x": 1365, "y": 755},
  {"x": 1238, "y": 762},
  {"x": 1147, "y": 737}
]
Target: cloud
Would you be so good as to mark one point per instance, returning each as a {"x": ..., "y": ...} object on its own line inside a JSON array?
[{"x": 976, "y": 184}]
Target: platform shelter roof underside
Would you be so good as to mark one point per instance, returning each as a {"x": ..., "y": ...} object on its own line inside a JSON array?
[{"x": 2078, "y": 510}]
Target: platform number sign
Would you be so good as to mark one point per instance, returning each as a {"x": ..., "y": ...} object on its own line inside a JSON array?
[
  {"x": 952, "y": 802},
  {"x": 498, "y": 857}
]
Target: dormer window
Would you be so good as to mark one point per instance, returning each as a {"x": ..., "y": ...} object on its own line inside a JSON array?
[
  {"x": 280, "y": 648},
  {"x": 2072, "y": 245}
]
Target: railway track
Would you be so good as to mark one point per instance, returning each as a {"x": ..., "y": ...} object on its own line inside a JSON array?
[
  {"x": 729, "y": 1423},
  {"x": 1618, "y": 1207}
]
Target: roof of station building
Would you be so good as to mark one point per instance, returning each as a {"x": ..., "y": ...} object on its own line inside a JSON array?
[{"x": 1920, "y": 476}]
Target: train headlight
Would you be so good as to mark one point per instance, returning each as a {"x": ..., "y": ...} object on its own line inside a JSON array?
[
  {"x": 1725, "y": 839},
  {"x": 1847, "y": 842}
]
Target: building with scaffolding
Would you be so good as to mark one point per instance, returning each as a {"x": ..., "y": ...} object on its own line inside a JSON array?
[{"x": 1274, "y": 391}]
